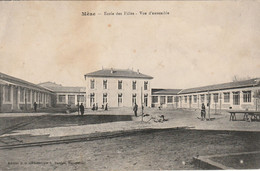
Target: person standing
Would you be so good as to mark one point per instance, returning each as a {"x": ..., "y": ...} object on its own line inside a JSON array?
[
  {"x": 81, "y": 107},
  {"x": 106, "y": 107},
  {"x": 93, "y": 107},
  {"x": 203, "y": 112},
  {"x": 35, "y": 106},
  {"x": 135, "y": 109}
]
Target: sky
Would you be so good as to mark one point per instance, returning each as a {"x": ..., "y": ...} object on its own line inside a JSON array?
[{"x": 198, "y": 43}]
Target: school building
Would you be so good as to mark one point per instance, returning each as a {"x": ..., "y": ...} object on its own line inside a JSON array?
[
  {"x": 17, "y": 94},
  {"x": 118, "y": 88},
  {"x": 66, "y": 95},
  {"x": 236, "y": 95}
]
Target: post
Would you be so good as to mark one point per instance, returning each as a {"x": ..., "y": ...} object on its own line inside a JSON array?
[
  {"x": 78, "y": 106},
  {"x": 142, "y": 103}
]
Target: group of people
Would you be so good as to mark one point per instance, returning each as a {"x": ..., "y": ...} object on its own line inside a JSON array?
[{"x": 94, "y": 107}]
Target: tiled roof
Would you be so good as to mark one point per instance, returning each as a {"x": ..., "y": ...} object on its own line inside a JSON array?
[
  {"x": 7, "y": 79},
  {"x": 230, "y": 85},
  {"x": 68, "y": 89},
  {"x": 118, "y": 73},
  {"x": 165, "y": 91},
  {"x": 49, "y": 84}
]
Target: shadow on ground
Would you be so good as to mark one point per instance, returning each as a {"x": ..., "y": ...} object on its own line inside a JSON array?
[{"x": 50, "y": 121}]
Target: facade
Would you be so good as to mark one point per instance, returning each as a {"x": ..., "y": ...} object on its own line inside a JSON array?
[
  {"x": 165, "y": 97},
  {"x": 118, "y": 88},
  {"x": 66, "y": 95},
  {"x": 17, "y": 94},
  {"x": 236, "y": 95}
]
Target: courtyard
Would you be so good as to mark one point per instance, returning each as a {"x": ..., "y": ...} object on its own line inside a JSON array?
[{"x": 127, "y": 142}]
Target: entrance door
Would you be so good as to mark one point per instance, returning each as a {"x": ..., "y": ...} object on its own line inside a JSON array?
[
  {"x": 120, "y": 100},
  {"x": 15, "y": 97},
  {"x": 92, "y": 99},
  {"x": 146, "y": 100}
]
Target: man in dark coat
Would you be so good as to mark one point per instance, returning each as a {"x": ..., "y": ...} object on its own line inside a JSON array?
[
  {"x": 81, "y": 107},
  {"x": 135, "y": 109},
  {"x": 35, "y": 106},
  {"x": 203, "y": 112}
]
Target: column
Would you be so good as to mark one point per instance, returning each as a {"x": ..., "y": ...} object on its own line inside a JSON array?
[{"x": 66, "y": 98}]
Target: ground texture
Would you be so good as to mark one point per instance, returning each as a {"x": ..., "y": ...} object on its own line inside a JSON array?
[{"x": 165, "y": 147}]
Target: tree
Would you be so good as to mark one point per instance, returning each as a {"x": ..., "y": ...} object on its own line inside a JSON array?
[{"x": 240, "y": 78}]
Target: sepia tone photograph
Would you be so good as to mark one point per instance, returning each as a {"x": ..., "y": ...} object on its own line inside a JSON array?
[{"x": 130, "y": 85}]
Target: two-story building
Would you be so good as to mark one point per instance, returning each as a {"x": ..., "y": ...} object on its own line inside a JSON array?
[{"x": 118, "y": 88}]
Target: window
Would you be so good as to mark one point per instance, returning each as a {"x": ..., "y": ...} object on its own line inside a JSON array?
[
  {"x": 162, "y": 100},
  {"x": 226, "y": 97},
  {"x": 190, "y": 99},
  {"x": 62, "y": 98},
  {"x": 215, "y": 96},
  {"x": 247, "y": 96},
  {"x": 169, "y": 99},
  {"x": 80, "y": 98},
  {"x": 92, "y": 98},
  {"x": 37, "y": 96},
  {"x": 104, "y": 84},
  {"x": 202, "y": 98},
  {"x": 180, "y": 98},
  {"x": 185, "y": 99},
  {"x": 28, "y": 95},
  {"x": 33, "y": 96},
  {"x": 7, "y": 93},
  {"x": 236, "y": 98},
  {"x": 120, "y": 84},
  {"x": 120, "y": 99},
  {"x": 104, "y": 98},
  {"x": 40, "y": 96},
  {"x": 71, "y": 99},
  {"x": 21, "y": 95},
  {"x": 92, "y": 84},
  {"x": 154, "y": 99},
  {"x": 146, "y": 85},
  {"x": 43, "y": 97},
  {"x": 195, "y": 98},
  {"x": 134, "y": 85},
  {"x": 208, "y": 98},
  {"x": 134, "y": 98}
]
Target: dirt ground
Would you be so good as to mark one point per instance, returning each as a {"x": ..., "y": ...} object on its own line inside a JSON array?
[
  {"x": 164, "y": 149},
  {"x": 159, "y": 149}
]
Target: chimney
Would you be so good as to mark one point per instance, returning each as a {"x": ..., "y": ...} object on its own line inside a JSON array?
[{"x": 138, "y": 71}]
